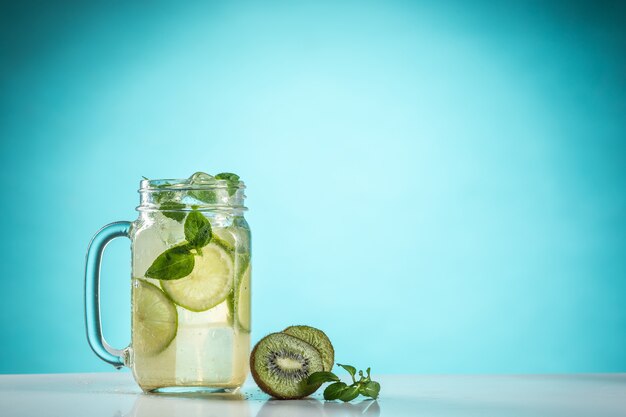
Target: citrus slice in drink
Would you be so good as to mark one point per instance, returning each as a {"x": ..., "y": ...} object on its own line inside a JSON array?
[
  {"x": 242, "y": 298},
  {"x": 225, "y": 239},
  {"x": 155, "y": 319},
  {"x": 208, "y": 284},
  {"x": 232, "y": 238}
]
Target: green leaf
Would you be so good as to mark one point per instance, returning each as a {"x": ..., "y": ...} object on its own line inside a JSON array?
[
  {"x": 333, "y": 391},
  {"x": 371, "y": 389},
  {"x": 163, "y": 196},
  {"x": 349, "y": 368},
  {"x": 232, "y": 179},
  {"x": 349, "y": 394},
  {"x": 317, "y": 378},
  {"x": 174, "y": 263},
  {"x": 209, "y": 197},
  {"x": 228, "y": 176},
  {"x": 225, "y": 176},
  {"x": 172, "y": 205},
  {"x": 197, "y": 229}
]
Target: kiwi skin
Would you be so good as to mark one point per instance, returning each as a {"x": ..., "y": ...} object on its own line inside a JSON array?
[
  {"x": 318, "y": 340},
  {"x": 310, "y": 389}
]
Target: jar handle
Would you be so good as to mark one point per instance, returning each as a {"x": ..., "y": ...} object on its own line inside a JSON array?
[{"x": 92, "y": 292}]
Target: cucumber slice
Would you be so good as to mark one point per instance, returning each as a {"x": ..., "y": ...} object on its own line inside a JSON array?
[
  {"x": 155, "y": 319},
  {"x": 208, "y": 284}
]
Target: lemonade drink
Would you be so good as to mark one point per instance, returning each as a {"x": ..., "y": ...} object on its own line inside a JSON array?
[{"x": 190, "y": 285}]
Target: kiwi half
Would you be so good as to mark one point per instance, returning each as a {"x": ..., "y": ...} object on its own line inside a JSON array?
[
  {"x": 281, "y": 364},
  {"x": 317, "y": 339}
]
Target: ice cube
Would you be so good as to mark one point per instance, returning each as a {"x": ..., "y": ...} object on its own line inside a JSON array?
[{"x": 201, "y": 178}]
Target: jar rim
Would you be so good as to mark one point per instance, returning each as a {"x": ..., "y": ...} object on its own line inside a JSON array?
[
  {"x": 183, "y": 184},
  {"x": 156, "y": 193}
]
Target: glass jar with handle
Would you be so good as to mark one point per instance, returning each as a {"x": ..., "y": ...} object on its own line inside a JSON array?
[{"x": 190, "y": 286}]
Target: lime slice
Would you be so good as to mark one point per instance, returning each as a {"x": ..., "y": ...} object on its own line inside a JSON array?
[
  {"x": 222, "y": 243},
  {"x": 224, "y": 238},
  {"x": 242, "y": 297},
  {"x": 232, "y": 238},
  {"x": 155, "y": 320},
  {"x": 208, "y": 284}
]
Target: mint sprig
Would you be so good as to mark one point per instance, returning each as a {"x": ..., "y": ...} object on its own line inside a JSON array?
[
  {"x": 178, "y": 262},
  {"x": 340, "y": 390}
]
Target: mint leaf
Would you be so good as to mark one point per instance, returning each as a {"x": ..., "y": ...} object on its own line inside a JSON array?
[
  {"x": 349, "y": 394},
  {"x": 229, "y": 176},
  {"x": 232, "y": 179},
  {"x": 320, "y": 377},
  {"x": 174, "y": 263},
  {"x": 341, "y": 391},
  {"x": 350, "y": 369},
  {"x": 205, "y": 196},
  {"x": 371, "y": 389},
  {"x": 201, "y": 179},
  {"x": 163, "y": 196},
  {"x": 333, "y": 391},
  {"x": 197, "y": 229},
  {"x": 172, "y": 205}
]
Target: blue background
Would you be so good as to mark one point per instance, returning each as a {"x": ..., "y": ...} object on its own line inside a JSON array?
[{"x": 440, "y": 187}]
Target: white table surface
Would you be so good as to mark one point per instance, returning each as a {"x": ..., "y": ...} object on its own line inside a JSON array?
[{"x": 116, "y": 395}]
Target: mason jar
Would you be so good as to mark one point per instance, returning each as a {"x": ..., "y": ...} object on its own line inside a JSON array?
[{"x": 190, "y": 287}]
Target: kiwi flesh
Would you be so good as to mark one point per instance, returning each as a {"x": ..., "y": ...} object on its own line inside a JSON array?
[
  {"x": 280, "y": 365},
  {"x": 317, "y": 339}
]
